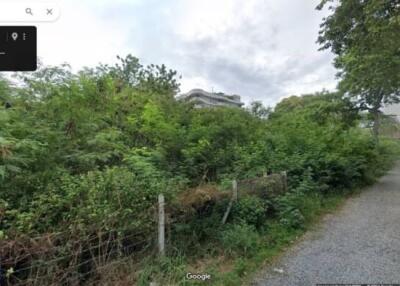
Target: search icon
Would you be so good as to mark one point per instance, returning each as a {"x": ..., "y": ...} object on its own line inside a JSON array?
[{"x": 28, "y": 11}]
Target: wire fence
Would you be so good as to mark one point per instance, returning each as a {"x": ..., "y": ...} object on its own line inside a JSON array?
[
  {"x": 72, "y": 263},
  {"x": 79, "y": 255},
  {"x": 73, "y": 258},
  {"x": 75, "y": 273}
]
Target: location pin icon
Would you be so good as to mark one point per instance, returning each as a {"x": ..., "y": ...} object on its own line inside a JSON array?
[{"x": 14, "y": 36}]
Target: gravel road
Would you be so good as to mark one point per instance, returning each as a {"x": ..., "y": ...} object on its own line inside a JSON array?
[{"x": 360, "y": 243}]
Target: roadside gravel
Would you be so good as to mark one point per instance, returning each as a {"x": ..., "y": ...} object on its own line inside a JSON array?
[{"x": 360, "y": 243}]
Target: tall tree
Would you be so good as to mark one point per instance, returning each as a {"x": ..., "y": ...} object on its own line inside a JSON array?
[
  {"x": 259, "y": 110},
  {"x": 365, "y": 37}
]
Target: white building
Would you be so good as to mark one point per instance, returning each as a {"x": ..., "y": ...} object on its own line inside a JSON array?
[
  {"x": 202, "y": 99},
  {"x": 392, "y": 110}
]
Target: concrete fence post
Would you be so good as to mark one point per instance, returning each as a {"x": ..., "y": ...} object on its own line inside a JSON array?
[
  {"x": 234, "y": 190},
  {"x": 161, "y": 225},
  {"x": 284, "y": 180},
  {"x": 234, "y": 198}
]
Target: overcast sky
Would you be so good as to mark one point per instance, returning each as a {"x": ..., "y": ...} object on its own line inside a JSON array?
[{"x": 260, "y": 49}]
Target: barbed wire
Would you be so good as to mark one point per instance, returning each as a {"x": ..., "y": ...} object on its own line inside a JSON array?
[
  {"x": 77, "y": 275},
  {"x": 62, "y": 247},
  {"x": 77, "y": 266},
  {"x": 60, "y": 258}
]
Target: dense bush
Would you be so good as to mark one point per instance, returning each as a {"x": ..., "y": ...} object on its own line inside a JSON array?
[
  {"x": 88, "y": 154},
  {"x": 240, "y": 239},
  {"x": 113, "y": 198},
  {"x": 250, "y": 210},
  {"x": 290, "y": 208},
  {"x": 95, "y": 148}
]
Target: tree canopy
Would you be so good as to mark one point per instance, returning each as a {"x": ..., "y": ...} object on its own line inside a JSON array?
[{"x": 365, "y": 37}]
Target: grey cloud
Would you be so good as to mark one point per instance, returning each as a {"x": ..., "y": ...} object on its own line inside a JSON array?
[{"x": 224, "y": 59}]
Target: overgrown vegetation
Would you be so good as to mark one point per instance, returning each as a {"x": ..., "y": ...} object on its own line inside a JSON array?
[
  {"x": 91, "y": 151},
  {"x": 83, "y": 157}
]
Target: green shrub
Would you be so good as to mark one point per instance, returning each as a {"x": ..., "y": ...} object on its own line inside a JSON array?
[
  {"x": 240, "y": 267},
  {"x": 164, "y": 270},
  {"x": 240, "y": 239},
  {"x": 113, "y": 198},
  {"x": 389, "y": 151},
  {"x": 292, "y": 217},
  {"x": 288, "y": 207},
  {"x": 249, "y": 210}
]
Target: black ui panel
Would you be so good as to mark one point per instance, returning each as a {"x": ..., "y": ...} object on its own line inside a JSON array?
[{"x": 18, "y": 48}]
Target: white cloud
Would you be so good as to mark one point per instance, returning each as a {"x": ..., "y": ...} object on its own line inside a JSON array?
[
  {"x": 81, "y": 37},
  {"x": 260, "y": 49}
]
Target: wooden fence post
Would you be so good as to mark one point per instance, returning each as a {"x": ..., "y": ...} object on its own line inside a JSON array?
[{"x": 161, "y": 225}]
